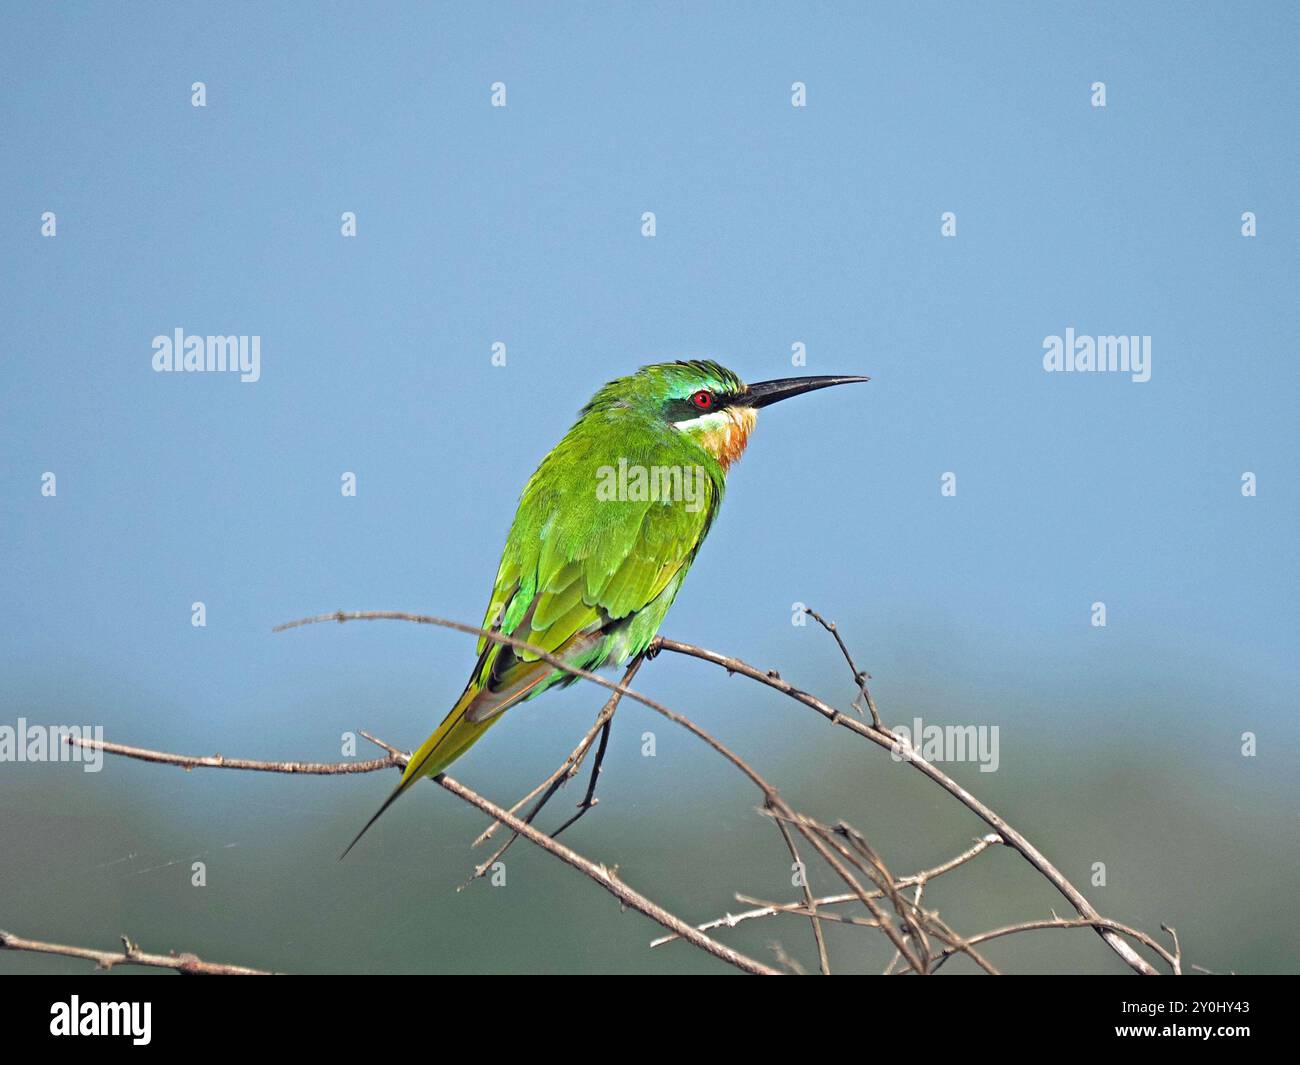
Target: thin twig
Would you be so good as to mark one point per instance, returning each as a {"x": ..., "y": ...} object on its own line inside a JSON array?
[
  {"x": 397, "y": 759},
  {"x": 795, "y": 909},
  {"x": 810, "y": 899},
  {"x": 877, "y": 735},
  {"x": 776, "y": 803},
  {"x": 130, "y": 954},
  {"x": 772, "y": 909},
  {"x": 916, "y": 903},
  {"x": 860, "y": 676},
  {"x": 888, "y": 741},
  {"x": 809, "y": 830},
  {"x": 589, "y": 799},
  {"x": 218, "y": 761},
  {"x": 559, "y": 778},
  {"x": 569, "y": 767},
  {"x": 887, "y": 883},
  {"x": 1174, "y": 961},
  {"x": 839, "y": 847}
]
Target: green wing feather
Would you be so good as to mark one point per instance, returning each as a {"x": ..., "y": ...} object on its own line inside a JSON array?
[{"x": 589, "y": 579}]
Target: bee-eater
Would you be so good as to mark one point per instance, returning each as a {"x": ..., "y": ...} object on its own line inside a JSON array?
[{"x": 606, "y": 529}]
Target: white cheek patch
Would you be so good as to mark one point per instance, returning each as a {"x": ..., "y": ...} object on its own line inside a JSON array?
[{"x": 713, "y": 422}]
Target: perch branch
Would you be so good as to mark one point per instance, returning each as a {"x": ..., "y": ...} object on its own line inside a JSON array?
[
  {"x": 567, "y": 771},
  {"x": 841, "y": 847},
  {"x": 805, "y": 826}
]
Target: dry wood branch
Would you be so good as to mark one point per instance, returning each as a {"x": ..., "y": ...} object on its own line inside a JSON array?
[
  {"x": 772, "y": 909},
  {"x": 567, "y": 770},
  {"x": 809, "y": 899},
  {"x": 860, "y": 676},
  {"x": 130, "y": 954},
  {"x": 602, "y": 875},
  {"x": 843, "y": 849},
  {"x": 886, "y": 739},
  {"x": 773, "y": 800},
  {"x": 219, "y": 761},
  {"x": 1174, "y": 959}
]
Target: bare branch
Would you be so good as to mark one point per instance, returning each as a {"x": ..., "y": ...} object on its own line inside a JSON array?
[
  {"x": 775, "y": 802},
  {"x": 860, "y": 676},
  {"x": 809, "y": 899},
  {"x": 1174, "y": 960},
  {"x": 844, "y": 850},
  {"x": 130, "y": 954},
  {"x": 883, "y": 738},
  {"x": 396, "y": 759},
  {"x": 772, "y": 909},
  {"x": 218, "y": 761},
  {"x": 567, "y": 770}
]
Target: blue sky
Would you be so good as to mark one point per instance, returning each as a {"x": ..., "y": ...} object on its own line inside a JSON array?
[{"x": 775, "y": 225}]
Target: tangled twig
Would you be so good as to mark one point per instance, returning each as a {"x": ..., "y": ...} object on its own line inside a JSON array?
[{"x": 920, "y": 939}]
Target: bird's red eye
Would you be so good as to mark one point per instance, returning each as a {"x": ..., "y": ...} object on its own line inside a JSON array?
[{"x": 703, "y": 399}]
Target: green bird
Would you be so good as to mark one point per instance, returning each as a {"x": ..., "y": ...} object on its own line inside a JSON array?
[{"x": 606, "y": 529}]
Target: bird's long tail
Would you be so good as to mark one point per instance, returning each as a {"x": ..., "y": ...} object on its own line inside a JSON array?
[{"x": 449, "y": 741}]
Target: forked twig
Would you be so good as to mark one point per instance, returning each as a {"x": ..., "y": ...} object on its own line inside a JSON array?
[{"x": 887, "y": 740}]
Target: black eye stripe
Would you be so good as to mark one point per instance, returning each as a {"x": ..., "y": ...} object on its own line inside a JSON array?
[{"x": 685, "y": 408}]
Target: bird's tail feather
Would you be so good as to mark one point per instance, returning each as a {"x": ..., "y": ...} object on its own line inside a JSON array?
[
  {"x": 449, "y": 741},
  {"x": 459, "y": 731}
]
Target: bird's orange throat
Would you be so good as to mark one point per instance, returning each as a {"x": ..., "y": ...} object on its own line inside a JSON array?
[{"x": 725, "y": 434}]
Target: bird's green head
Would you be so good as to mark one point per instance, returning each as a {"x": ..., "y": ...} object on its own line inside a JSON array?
[{"x": 704, "y": 400}]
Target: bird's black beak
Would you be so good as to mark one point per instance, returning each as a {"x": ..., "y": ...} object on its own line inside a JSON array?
[{"x": 765, "y": 393}]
